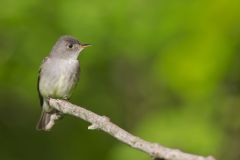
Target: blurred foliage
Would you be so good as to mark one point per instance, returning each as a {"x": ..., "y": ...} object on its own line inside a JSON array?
[{"x": 167, "y": 71}]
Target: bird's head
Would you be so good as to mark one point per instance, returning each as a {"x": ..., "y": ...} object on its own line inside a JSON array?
[{"x": 68, "y": 47}]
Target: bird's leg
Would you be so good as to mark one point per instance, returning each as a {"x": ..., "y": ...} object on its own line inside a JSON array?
[
  {"x": 48, "y": 99},
  {"x": 66, "y": 98}
]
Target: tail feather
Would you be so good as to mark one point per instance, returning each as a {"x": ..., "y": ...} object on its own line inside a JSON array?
[
  {"x": 48, "y": 117},
  {"x": 44, "y": 120},
  {"x": 47, "y": 120}
]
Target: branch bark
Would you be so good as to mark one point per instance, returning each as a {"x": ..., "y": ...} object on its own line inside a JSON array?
[{"x": 103, "y": 123}]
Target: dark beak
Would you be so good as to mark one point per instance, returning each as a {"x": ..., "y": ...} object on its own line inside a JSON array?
[{"x": 85, "y": 45}]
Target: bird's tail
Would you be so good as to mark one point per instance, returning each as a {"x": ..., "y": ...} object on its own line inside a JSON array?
[
  {"x": 48, "y": 117},
  {"x": 44, "y": 120},
  {"x": 47, "y": 120}
]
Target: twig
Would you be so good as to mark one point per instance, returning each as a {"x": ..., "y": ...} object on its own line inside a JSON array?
[{"x": 103, "y": 123}]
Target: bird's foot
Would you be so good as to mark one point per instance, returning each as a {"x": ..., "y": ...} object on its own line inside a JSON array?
[{"x": 66, "y": 98}]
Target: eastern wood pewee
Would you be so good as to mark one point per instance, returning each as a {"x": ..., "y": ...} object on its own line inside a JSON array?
[{"x": 58, "y": 75}]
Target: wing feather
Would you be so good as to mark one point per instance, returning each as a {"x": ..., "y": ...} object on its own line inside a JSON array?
[{"x": 39, "y": 77}]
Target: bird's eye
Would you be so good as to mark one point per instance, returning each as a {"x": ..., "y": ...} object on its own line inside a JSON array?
[{"x": 70, "y": 46}]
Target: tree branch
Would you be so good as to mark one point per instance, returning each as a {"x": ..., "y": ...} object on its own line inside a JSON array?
[{"x": 103, "y": 123}]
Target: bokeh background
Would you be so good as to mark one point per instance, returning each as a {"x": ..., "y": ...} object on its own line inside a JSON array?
[{"x": 165, "y": 70}]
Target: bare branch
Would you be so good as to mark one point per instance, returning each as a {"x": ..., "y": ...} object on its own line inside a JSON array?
[{"x": 103, "y": 123}]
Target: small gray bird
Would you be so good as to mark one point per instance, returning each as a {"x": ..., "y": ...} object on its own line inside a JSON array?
[{"x": 58, "y": 75}]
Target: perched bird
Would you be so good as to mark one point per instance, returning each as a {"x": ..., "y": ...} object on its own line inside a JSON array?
[{"x": 58, "y": 75}]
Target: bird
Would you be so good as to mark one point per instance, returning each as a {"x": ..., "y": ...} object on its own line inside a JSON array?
[{"x": 58, "y": 76}]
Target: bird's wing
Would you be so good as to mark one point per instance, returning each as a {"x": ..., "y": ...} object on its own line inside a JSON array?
[{"x": 39, "y": 73}]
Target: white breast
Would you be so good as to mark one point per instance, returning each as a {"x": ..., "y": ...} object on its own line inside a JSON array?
[{"x": 58, "y": 77}]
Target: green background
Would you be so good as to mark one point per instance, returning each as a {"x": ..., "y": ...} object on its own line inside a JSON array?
[{"x": 165, "y": 70}]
